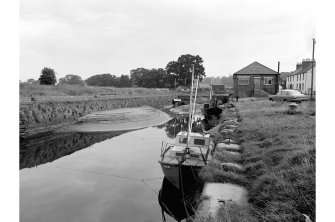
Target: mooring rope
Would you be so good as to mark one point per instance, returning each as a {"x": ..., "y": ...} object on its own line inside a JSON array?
[
  {"x": 108, "y": 174},
  {"x": 182, "y": 191}
]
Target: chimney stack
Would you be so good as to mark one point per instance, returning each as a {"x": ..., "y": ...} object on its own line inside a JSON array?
[
  {"x": 306, "y": 63},
  {"x": 299, "y": 65}
]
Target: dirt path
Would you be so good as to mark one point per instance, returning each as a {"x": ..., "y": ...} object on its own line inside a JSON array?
[{"x": 118, "y": 119}]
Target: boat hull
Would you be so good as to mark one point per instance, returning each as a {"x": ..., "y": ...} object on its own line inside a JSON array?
[
  {"x": 187, "y": 174},
  {"x": 172, "y": 199},
  {"x": 209, "y": 112}
]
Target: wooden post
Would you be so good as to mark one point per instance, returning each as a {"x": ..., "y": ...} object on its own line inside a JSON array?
[
  {"x": 278, "y": 77},
  {"x": 312, "y": 69}
]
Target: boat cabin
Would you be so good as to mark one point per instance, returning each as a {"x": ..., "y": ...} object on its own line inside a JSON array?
[
  {"x": 199, "y": 144},
  {"x": 196, "y": 139}
]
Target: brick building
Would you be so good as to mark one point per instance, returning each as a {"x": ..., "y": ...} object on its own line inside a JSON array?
[{"x": 255, "y": 77}]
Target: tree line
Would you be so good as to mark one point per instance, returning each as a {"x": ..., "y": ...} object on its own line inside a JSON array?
[{"x": 175, "y": 73}]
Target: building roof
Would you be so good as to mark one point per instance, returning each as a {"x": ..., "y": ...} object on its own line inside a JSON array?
[
  {"x": 255, "y": 68},
  {"x": 283, "y": 75},
  {"x": 301, "y": 70}
]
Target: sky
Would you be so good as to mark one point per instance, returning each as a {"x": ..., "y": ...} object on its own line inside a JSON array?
[{"x": 89, "y": 37}]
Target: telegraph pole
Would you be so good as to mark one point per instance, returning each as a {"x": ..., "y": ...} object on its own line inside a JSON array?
[{"x": 312, "y": 69}]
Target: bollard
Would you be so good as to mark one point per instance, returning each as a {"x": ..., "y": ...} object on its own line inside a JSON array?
[{"x": 292, "y": 108}]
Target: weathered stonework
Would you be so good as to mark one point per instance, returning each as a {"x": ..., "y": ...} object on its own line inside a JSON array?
[{"x": 40, "y": 117}]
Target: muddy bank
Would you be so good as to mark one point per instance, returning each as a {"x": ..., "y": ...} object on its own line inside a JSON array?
[
  {"x": 118, "y": 120},
  {"x": 44, "y": 117}
]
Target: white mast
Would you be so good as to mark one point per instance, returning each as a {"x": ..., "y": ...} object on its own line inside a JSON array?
[
  {"x": 190, "y": 110},
  {"x": 210, "y": 90},
  {"x": 195, "y": 97}
]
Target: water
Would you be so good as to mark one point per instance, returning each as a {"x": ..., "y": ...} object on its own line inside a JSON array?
[{"x": 94, "y": 177}]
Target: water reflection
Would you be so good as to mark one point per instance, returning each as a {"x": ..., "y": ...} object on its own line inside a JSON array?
[
  {"x": 110, "y": 181},
  {"x": 36, "y": 151},
  {"x": 177, "y": 124},
  {"x": 177, "y": 204},
  {"x": 114, "y": 180}
]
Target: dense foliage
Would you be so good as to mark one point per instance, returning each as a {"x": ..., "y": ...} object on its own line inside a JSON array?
[
  {"x": 151, "y": 78},
  {"x": 182, "y": 69},
  {"x": 48, "y": 76},
  {"x": 71, "y": 80},
  {"x": 108, "y": 80},
  {"x": 177, "y": 73}
]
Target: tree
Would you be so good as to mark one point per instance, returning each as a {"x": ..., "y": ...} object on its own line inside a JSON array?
[
  {"x": 182, "y": 69},
  {"x": 32, "y": 81},
  {"x": 136, "y": 76},
  {"x": 71, "y": 79},
  {"x": 125, "y": 81},
  {"x": 48, "y": 77},
  {"x": 101, "y": 80},
  {"x": 149, "y": 78}
]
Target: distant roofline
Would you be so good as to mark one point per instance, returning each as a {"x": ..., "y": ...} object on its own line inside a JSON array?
[{"x": 301, "y": 71}]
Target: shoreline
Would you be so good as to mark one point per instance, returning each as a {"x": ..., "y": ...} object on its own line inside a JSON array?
[{"x": 46, "y": 117}]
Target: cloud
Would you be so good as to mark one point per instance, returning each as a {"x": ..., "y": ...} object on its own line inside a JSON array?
[{"x": 90, "y": 37}]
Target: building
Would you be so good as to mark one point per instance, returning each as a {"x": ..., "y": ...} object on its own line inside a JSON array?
[
  {"x": 255, "y": 77},
  {"x": 282, "y": 79},
  {"x": 301, "y": 78},
  {"x": 218, "y": 88}
]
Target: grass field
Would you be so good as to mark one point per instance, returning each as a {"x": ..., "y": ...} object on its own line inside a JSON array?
[
  {"x": 64, "y": 92},
  {"x": 77, "y": 90},
  {"x": 278, "y": 155}
]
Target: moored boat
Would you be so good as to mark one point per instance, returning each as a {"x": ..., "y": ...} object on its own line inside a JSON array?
[
  {"x": 211, "y": 109},
  {"x": 191, "y": 151},
  {"x": 181, "y": 162}
]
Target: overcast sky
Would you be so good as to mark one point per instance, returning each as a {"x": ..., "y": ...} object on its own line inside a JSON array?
[{"x": 88, "y": 37}]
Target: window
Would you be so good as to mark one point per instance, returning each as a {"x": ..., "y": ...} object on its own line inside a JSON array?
[
  {"x": 300, "y": 76},
  {"x": 199, "y": 142},
  {"x": 302, "y": 86},
  {"x": 303, "y": 76},
  {"x": 182, "y": 140},
  {"x": 297, "y": 77},
  {"x": 243, "y": 80},
  {"x": 268, "y": 80}
]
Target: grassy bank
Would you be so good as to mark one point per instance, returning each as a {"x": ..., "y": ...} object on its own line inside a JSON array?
[
  {"x": 278, "y": 155},
  {"x": 64, "y": 91},
  {"x": 279, "y": 159}
]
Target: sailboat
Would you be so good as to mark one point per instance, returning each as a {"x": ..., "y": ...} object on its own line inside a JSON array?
[{"x": 191, "y": 151}]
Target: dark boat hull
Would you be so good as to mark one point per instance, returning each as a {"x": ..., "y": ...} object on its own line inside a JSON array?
[
  {"x": 180, "y": 174},
  {"x": 172, "y": 199},
  {"x": 209, "y": 112}
]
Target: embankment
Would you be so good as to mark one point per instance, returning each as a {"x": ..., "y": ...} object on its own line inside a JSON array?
[{"x": 44, "y": 117}]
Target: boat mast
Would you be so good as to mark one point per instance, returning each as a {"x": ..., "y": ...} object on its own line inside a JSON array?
[
  {"x": 190, "y": 110},
  {"x": 210, "y": 90},
  {"x": 195, "y": 97}
]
